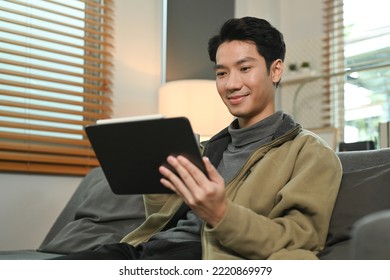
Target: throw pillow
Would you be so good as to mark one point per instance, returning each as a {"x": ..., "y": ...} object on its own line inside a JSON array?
[{"x": 103, "y": 217}]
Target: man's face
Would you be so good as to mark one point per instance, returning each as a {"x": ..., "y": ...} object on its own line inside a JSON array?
[{"x": 244, "y": 84}]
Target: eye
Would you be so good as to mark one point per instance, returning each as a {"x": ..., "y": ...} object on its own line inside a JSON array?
[
  {"x": 245, "y": 68},
  {"x": 220, "y": 74}
]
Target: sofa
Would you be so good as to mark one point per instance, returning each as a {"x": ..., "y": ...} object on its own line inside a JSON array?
[{"x": 358, "y": 229}]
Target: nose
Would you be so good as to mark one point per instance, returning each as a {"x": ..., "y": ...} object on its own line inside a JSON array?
[{"x": 234, "y": 82}]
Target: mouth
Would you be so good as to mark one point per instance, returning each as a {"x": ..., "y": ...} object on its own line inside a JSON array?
[{"x": 236, "y": 99}]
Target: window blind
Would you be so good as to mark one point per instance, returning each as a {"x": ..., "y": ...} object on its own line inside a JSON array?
[
  {"x": 333, "y": 62},
  {"x": 55, "y": 78},
  {"x": 356, "y": 66}
]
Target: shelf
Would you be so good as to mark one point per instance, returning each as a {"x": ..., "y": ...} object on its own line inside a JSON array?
[{"x": 300, "y": 77}]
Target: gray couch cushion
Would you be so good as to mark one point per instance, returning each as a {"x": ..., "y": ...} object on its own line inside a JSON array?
[
  {"x": 102, "y": 217},
  {"x": 361, "y": 192}
]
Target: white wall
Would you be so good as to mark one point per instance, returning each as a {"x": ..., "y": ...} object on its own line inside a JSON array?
[
  {"x": 29, "y": 204},
  {"x": 138, "y": 34},
  {"x": 267, "y": 9},
  {"x": 297, "y": 19}
]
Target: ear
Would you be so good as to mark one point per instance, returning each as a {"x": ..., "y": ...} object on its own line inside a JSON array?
[{"x": 277, "y": 68}]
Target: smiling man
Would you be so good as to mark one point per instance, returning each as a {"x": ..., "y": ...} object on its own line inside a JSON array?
[
  {"x": 272, "y": 192},
  {"x": 271, "y": 185}
]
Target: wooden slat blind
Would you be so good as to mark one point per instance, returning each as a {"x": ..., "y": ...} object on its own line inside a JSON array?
[
  {"x": 356, "y": 65},
  {"x": 55, "y": 78},
  {"x": 333, "y": 61}
]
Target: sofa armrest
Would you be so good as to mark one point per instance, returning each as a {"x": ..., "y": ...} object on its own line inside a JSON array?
[{"x": 370, "y": 238}]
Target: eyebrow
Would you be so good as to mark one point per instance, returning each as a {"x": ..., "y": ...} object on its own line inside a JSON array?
[{"x": 238, "y": 62}]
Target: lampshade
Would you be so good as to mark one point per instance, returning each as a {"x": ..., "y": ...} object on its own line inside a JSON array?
[{"x": 199, "y": 101}]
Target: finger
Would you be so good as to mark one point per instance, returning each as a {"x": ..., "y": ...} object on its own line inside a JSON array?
[
  {"x": 192, "y": 177},
  {"x": 184, "y": 168},
  {"x": 212, "y": 171},
  {"x": 173, "y": 182},
  {"x": 167, "y": 184},
  {"x": 196, "y": 175}
]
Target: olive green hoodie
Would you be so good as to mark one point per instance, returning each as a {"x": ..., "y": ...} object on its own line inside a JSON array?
[{"x": 279, "y": 204}]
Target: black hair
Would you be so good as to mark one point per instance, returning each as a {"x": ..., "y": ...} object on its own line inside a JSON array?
[{"x": 269, "y": 41}]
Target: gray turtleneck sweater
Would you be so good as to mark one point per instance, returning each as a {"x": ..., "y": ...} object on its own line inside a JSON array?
[{"x": 244, "y": 142}]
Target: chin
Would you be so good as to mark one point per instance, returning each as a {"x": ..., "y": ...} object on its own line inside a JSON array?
[{"x": 237, "y": 112}]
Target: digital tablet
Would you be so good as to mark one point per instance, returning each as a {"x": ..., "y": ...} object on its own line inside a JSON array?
[{"x": 131, "y": 150}]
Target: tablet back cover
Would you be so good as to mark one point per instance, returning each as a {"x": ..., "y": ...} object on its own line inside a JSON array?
[{"x": 130, "y": 152}]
